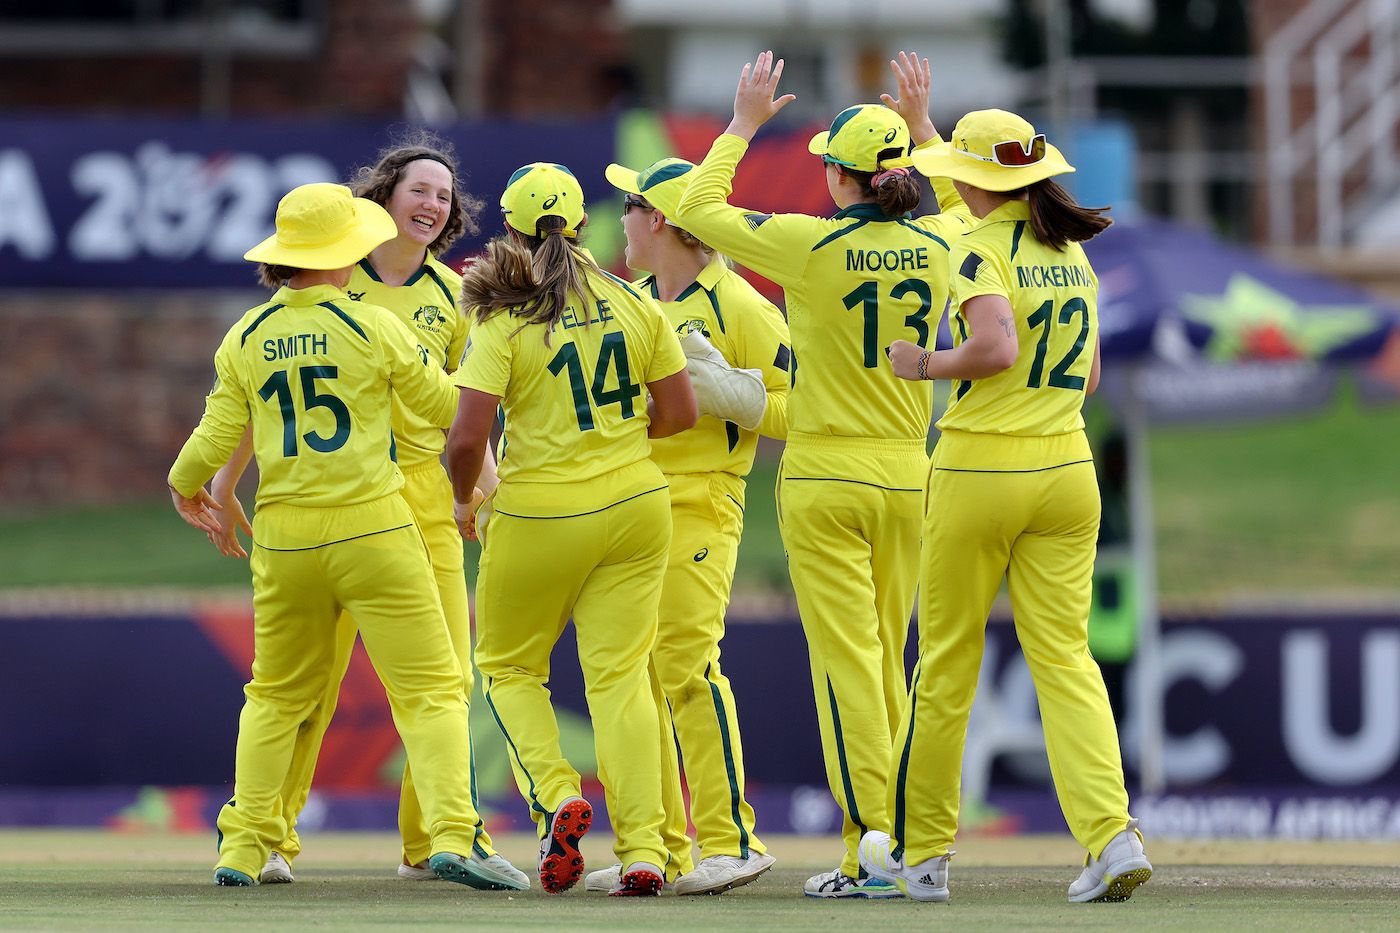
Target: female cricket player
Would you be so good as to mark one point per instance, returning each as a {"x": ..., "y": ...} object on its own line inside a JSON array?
[
  {"x": 704, "y": 300},
  {"x": 850, "y": 488},
  {"x": 417, "y": 182},
  {"x": 580, "y": 524},
  {"x": 1012, "y": 494},
  {"x": 314, "y": 373}
]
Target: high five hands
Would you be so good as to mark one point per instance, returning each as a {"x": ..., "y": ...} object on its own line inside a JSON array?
[
  {"x": 914, "y": 78},
  {"x": 754, "y": 101}
]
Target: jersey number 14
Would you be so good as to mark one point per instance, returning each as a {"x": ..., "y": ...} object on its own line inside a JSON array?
[{"x": 613, "y": 354}]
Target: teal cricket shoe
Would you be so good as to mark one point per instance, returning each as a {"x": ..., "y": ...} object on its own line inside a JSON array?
[
  {"x": 492, "y": 873},
  {"x": 233, "y": 878}
]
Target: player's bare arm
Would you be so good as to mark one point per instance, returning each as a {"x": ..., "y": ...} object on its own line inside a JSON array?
[
  {"x": 672, "y": 406},
  {"x": 990, "y": 348},
  {"x": 468, "y": 445}
]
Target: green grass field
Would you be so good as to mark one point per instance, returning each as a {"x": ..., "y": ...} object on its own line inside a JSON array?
[
  {"x": 1276, "y": 508},
  {"x": 70, "y": 880}
]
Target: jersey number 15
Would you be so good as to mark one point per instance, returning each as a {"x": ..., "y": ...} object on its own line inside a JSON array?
[{"x": 280, "y": 386}]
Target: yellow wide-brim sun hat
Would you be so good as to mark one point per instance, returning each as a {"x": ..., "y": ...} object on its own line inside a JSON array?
[
  {"x": 324, "y": 226},
  {"x": 543, "y": 189},
  {"x": 969, "y": 156},
  {"x": 662, "y": 183},
  {"x": 859, "y": 134}
]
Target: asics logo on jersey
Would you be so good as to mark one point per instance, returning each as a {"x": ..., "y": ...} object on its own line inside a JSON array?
[
  {"x": 356, "y": 296},
  {"x": 701, "y": 554},
  {"x": 549, "y": 201},
  {"x": 757, "y": 220},
  {"x": 894, "y": 131}
]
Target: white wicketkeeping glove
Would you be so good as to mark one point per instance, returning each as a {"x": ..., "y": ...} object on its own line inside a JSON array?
[{"x": 736, "y": 395}]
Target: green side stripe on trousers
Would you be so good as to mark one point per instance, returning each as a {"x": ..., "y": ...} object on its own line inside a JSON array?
[
  {"x": 476, "y": 802},
  {"x": 851, "y": 807},
  {"x": 897, "y": 852},
  {"x": 534, "y": 801},
  {"x": 725, "y": 743}
]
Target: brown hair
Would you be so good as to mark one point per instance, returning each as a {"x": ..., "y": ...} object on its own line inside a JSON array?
[
  {"x": 273, "y": 276},
  {"x": 1056, "y": 219},
  {"x": 897, "y": 195},
  {"x": 377, "y": 183},
  {"x": 530, "y": 277}
]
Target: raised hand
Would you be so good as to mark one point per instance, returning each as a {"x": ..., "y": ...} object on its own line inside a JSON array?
[
  {"x": 914, "y": 79},
  {"x": 754, "y": 101}
]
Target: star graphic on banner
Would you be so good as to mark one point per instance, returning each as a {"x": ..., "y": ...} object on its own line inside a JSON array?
[{"x": 1253, "y": 321}]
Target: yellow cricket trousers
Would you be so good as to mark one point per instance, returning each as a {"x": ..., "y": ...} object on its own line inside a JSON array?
[
  {"x": 605, "y": 569},
  {"x": 385, "y": 580},
  {"x": 428, "y": 492},
  {"x": 852, "y": 550},
  {"x": 1037, "y": 528},
  {"x": 697, "y": 705}
]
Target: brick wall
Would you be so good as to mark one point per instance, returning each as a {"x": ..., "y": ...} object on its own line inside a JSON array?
[
  {"x": 98, "y": 393},
  {"x": 358, "y": 69},
  {"x": 552, "y": 57}
]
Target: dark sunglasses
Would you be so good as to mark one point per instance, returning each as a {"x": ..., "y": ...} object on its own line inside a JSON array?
[{"x": 630, "y": 201}]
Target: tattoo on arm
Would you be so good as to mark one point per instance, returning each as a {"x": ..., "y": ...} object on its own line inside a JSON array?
[{"x": 1008, "y": 324}]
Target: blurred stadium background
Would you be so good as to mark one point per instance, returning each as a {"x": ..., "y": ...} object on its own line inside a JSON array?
[{"x": 1248, "y": 615}]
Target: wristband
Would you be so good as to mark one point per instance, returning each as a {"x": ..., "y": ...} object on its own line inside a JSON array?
[
  {"x": 923, "y": 365},
  {"x": 461, "y": 511}
]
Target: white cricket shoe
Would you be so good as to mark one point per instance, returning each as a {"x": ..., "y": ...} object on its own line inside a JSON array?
[
  {"x": 836, "y": 884},
  {"x": 277, "y": 870},
  {"x": 603, "y": 880},
  {"x": 1118, "y": 870},
  {"x": 488, "y": 873},
  {"x": 419, "y": 872},
  {"x": 719, "y": 873},
  {"x": 926, "y": 881}
]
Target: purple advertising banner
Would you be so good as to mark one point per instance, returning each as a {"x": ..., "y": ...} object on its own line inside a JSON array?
[
  {"x": 95, "y": 203},
  {"x": 1286, "y": 726}
]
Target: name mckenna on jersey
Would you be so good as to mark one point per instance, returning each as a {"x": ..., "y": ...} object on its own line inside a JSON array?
[
  {"x": 1054, "y": 276},
  {"x": 282, "y": 348}
]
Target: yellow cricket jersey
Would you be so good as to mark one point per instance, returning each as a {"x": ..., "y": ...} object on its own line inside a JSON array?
[
  {"x": 427, "y": 303},
  {"x": 853, "y": 283},
  {"x": 751, "y": 333},
  {"x": 1054, "y": 299},
  {"x": 313, "y": 371},
  {"x": 575, "y": 434}
]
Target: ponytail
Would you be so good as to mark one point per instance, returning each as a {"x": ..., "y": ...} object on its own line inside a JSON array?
[
  {"x": 897, "y": 192},
  {"x": 531, "y": 277},
  {"x": 1057, "y": 220}
]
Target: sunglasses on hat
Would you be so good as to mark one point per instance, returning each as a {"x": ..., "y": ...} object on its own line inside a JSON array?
[{"x": 1012, "y": 153}]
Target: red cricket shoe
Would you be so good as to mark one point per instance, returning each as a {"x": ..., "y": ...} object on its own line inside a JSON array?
[
  {"x": 561, "y": 863},
  {"x": 641, "y": 879}
]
